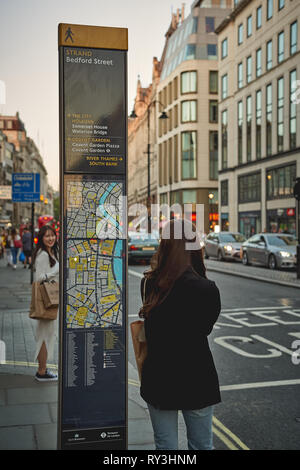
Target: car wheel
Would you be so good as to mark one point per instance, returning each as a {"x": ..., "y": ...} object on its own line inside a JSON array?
[
  {"x": 205, "y": 255},
  {"x": 272, "y": 262},
  {"x": 245, "y": 259},
  {"x": 220, "y": 256}
]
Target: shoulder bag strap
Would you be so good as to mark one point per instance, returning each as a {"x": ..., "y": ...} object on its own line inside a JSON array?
[{"x": 144, "y": 291}]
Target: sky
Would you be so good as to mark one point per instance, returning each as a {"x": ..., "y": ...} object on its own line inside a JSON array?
[{"x": 29, "y": 56}]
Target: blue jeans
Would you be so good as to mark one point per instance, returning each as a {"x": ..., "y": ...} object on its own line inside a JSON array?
[
  {"x": 14, "y": 253},
  {"x": 198, "y": 425}
]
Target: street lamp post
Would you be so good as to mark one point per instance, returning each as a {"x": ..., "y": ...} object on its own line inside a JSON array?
[{"x": 162, "y": 116}]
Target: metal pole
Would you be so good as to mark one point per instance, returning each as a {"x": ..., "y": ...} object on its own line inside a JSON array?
[
  {"x": 298, "y": 246},
  {"x": 32, "y": 243},
  {"x": 148, "y": 164}
]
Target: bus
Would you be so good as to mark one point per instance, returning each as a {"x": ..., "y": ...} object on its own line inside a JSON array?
[{"x": 45, "y": 220}]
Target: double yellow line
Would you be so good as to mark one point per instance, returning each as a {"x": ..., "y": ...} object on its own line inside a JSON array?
[{"x": 231, "y": 441}]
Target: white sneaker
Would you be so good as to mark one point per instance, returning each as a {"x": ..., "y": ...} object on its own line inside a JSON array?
[
  {"x": 48, "y": 376},
  {"x": 14, "y": 266}
]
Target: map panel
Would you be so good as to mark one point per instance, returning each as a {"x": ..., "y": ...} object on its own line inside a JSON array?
[
  {"x": 94, "y": 209},
  {"x": 94, "y": 280}
]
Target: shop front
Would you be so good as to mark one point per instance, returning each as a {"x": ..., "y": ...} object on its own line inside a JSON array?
[
  {"x": 224, "y": 221},
  {"x": 282, "y": 220},
  {"x": 249, "y": 223}
]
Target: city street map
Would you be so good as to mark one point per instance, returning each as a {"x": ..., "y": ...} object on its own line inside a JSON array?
[{"x": 94, "y": 263}]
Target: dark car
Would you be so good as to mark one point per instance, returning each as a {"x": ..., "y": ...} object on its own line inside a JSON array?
[
  {"x": 274, "y": 250},
  {"x": 224, "y": 245},
  {"x": 141, "y": 246}
]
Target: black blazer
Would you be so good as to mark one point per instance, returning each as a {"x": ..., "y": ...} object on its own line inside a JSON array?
[{"x": 179, "y": 371}]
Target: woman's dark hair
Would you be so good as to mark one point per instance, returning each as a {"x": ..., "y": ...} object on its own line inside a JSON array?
[
  {"x": 179, "y": 248},
  {"x": 40, "y": 245}
]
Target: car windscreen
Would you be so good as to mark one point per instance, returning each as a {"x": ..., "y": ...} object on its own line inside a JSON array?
[
  {"x": 282, "y": 240},
  {"x": 232, "y": 238}
]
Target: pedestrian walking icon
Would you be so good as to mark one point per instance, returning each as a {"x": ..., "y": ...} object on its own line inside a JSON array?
[{"x": 69, "y": 35}]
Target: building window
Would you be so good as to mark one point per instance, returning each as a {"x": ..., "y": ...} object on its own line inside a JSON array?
[
  {"x": 240, "y": 75},
  {"x": 163, "y": 198},
  {"x": 175, "y": 88},
  {"x": 190, "y": 52},
  {"x": 209, "y": 24},
  {"x": 211, "y": 51},
  {"x": 240, "y": 132},
  {"x": 189, "y": 82},
  {"x": 189, "y": 196},
  {"x": 213, "y": 155},
  {"x": 269, "y": 120},
  {"x": 213, "y": 111},
  {"x": 249, "y": 187},
  {"x": 213, "y": 81},
  {"x": 249, "y": 69},
  {"x": 195, "y": 25},
  {"x": 249, "y": 126},
  {"x": 160, "y": 156},
  {"x": 224, "y": 86},
  {"x": 175, "y": 116},
  {"x": 249, "y": 26},
  {"x": 293, "y": 37},
  {"x": 269, "y": 55},
  {"x": 175, "y": 149},
  {"x": 9, "y": 124},
  {"x": 170, "y": 155},
  {"x": 293, "y": 116},
  {"x": 165, "y": 178},
  {"x": 280, "y": 182},
  {"x": 1, "y": 124},
  {"x": 280, "y": 47},
  {"x": 224, "y": 193},
  {"x": 269, "y": 9},
  {"x": 280, "y": 116},
  {"x": 258, "y": 124},
  {"x": 189, "y": 111},
  {"x": 258, "y": 63},
  {"x": 240, "y": 34},
  {"x": 188, "y": 146},
  {"x": 224, "y": 146},
  {"x": 258, "y": 17},
  {"x": 224, "y": 48},
  {"x": 280, "y": 4}
]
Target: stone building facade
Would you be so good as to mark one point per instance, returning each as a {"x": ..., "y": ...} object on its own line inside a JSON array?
[{"x": 259, "y": 125}]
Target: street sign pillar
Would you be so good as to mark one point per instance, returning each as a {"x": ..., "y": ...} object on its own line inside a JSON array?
[{"x": 92, "y": 404}]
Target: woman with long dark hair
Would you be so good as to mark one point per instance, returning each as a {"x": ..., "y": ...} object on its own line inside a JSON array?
[
  {"x": 45, "y": 259},
  {"x": 181, "y": 306}
]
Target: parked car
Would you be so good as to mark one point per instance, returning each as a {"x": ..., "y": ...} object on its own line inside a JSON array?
[
  {"x": 141, "y": 246},
  {"x": 274, "y": 250},
  {"x": 224, "y": 245}
]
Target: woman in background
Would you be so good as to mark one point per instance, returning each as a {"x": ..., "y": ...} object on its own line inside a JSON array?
[{"x": 45, "y": 259}]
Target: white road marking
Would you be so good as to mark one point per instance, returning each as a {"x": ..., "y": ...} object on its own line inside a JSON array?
[
  {"x": 277, "y": 383},
  {"x": 244, "y": 339},
  {"x": 134, "y": 273}
]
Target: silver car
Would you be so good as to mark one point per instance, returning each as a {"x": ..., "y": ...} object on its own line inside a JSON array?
[
  {"x": 274, "y": 250},
  {"x": 224, "y": 245}
]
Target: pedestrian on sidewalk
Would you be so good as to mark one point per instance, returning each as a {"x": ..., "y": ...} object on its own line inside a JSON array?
[
  {"x": 181, "y": 306},
  {"x": 15, "y": 244},
  {"x": 7, "y": 248},
  {"x": 26, "y": 241},
  {"x": 45, "y": 259}
]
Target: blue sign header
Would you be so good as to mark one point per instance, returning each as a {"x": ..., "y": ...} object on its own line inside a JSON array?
[{"x": 26, "y": 187}]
